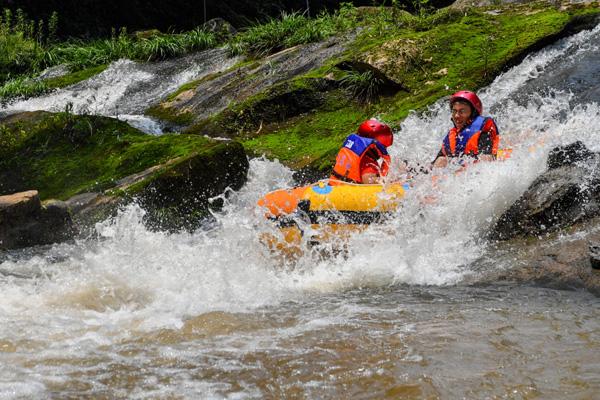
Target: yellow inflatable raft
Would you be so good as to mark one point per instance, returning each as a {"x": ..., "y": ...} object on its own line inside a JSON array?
[{"x": 329, "y": 208}]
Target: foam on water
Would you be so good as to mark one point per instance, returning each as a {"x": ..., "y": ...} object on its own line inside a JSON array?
[{"x": 78, "y": 297}]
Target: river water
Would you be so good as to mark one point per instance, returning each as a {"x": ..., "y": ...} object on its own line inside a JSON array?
[{"x": 403, "y": 313}]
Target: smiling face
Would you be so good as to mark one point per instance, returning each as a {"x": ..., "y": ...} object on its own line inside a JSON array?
[{"x": 461, "y": 113}]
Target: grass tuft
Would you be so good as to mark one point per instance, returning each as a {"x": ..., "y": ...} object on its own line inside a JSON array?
[
  {"x": 365, "y": 86},
  {"x": 290, "y": 30}
]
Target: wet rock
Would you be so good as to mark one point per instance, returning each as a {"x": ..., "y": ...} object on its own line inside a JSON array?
[
  {"x": 594, "y": 249},
  {"x": 54, "y": 72},
  {"x": 25, "y": 222},
  {"x": 177, "y": 194},
  {"x": 217, "y": 92},
  {"x": 560, "y": 261},
  {"x": 87, "y": 209},
  {"x": 569, "y": 155},
  {"x": 567, "y": 193}
]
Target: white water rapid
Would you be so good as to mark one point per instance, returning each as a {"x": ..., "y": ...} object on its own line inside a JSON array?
[
  {"x": 140, "y": 314},
  {"x": 127, "y": 88}
]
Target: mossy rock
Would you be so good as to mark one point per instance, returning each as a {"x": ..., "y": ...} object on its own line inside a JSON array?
[
  {"x": 177, "y": 193},
  {"x": 62, "y": 155},
  {"x": 276, "y": 104}
]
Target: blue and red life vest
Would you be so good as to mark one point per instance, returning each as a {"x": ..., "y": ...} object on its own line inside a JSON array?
[
  {"x": 465, "y": 142},
  {"x": 355, "y": 149}
]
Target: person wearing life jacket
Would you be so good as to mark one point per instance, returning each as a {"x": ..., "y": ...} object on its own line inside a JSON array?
[
  {"x": 473, "y": 135},
  {"x": 363, "y": 157}
]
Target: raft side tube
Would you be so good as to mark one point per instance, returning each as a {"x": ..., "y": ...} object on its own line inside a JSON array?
[{"x": 331, "y": 195}]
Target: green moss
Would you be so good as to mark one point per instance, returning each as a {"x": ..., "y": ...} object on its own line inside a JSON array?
[
  {"x": 485, "y": 44},
  {"x": 275, "y": 104},
  {"x": 63, "y": 154},
  {"x": 308, "y": 140},
  {"x": 74, "y": 77},
  {"x": 192, "y": 85},
  {"x": 169, "y": 114}
]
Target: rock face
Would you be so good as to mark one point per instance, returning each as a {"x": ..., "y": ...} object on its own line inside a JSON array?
[
  {"x": 566, "y": 263},
  {"x": 568, "y": 192},
  {"x": 215, "y": 93},
  {"x": 25, "y": 222},
  {"x": 176, "y": 195}
]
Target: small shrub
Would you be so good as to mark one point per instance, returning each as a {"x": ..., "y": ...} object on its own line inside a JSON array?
[{"x": 365, "y": 86}]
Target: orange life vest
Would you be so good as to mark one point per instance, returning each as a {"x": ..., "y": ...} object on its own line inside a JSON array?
[
  {"x": 466, "y": 142},
  {"x": 350, "y": 156}
]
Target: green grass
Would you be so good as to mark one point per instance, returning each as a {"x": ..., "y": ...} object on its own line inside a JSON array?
[
  {"x": 79, "y": 54},
  {"x": 365, "y": 86},
  {"x": 290, "y": 30},
  {"x": 21, "y": 87},
  {"x": 74, "y": 77},
  {"x": 24, "y": 87},
  {"x": 25, "y": 52}
]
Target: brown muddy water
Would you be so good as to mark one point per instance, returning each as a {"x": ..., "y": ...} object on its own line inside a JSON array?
[{"x": 404, "y": 313}]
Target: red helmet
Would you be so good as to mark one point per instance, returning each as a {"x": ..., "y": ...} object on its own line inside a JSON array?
[
  {"x": 470, "y": 97},
  {"x": 376, "y": 130}
]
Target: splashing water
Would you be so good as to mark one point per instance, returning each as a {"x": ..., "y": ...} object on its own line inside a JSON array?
[{"x": 149, "y": 314}]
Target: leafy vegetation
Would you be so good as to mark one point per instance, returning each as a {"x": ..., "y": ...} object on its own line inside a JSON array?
[
  {"x": 290, "y": 30},
  {"x": 31, "y": 47}
]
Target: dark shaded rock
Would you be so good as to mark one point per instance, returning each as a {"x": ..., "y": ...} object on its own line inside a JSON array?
[
  {"x": 566, "y": 194},
  {"x": 176, "y": 195},
  {"x": 569, "y": 155},
  {"x": 220, "y": 27},
  {"x": 276, "y": 105},
  {"x": 25, "y": 222},
  {"x": 595, "y": 255},
  {"x": 385, "y": 85}
]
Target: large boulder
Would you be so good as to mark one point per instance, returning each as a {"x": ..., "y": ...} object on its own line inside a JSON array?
[
  {"x": 177, "y": 194},
  {"x": 99, "y": 164},
  {"x": 568, "y": 192},
  {"x": 25, "y": 222},
  {"x": 248, "y": 92}
]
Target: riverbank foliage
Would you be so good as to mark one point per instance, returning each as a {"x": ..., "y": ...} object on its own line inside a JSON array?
[{"x": 31, "y": 48}]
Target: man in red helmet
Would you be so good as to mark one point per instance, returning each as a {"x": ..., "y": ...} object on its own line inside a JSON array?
[
  {"x": 358, "y": 160},
  {"x": 473, "y": 135}
]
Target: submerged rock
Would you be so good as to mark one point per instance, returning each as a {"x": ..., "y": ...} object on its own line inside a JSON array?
[
  {"x": 558, "y": 261},
  {"x": 568, "y": 192},
  {"x": 25, "y": 222}
]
